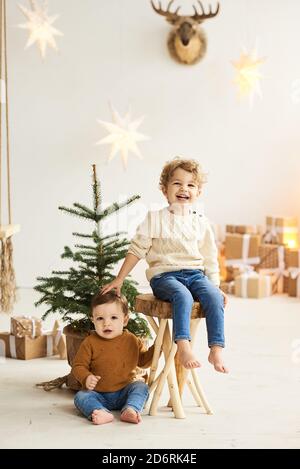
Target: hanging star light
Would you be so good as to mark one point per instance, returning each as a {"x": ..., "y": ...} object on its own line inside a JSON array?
[
  {"x": 247, "y": 74},
  {"x": 123, "y": 136},
  {"x": 40, "y": 26}
]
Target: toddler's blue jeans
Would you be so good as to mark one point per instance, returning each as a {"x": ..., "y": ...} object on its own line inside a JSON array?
[
  {"x": 134, "y": 395},
  {"x": 182, "y": 288}
]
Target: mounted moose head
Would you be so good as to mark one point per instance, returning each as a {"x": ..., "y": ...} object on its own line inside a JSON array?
[{"x": 186, "y": 41}]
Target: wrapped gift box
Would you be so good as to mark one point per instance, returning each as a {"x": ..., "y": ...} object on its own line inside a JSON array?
[
  {"x": 241, "y": 249},
  {"x": 279, "y": 279},
  {"x": 271, "y": 256},
  {"x": 294, "y": 283},
  {"x": 26, "y": 348},
  {"x": 253, "y": 285},
  {"x": 293, "y": 258},
  {"x": 243, "y": 229},
  {"x": 285, "y": 284},
  {"x": 282, "y": 230},
  {"x": 22, "y": 326}
]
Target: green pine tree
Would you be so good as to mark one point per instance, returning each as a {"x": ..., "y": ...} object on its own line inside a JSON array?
[{"x": 69, "y": 292}]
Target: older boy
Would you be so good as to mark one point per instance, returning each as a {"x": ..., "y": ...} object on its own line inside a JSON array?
[{"x": 179, "y": 247}]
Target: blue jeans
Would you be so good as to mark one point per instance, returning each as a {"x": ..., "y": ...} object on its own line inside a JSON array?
[
  {"x": 134, "y": 395},
  {"x": 182, "y": 288}
]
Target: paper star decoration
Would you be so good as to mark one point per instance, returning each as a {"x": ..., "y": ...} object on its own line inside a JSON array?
[
  {"x": 247, "y": 74},
  {"x": 40, "y": 26},
  {"x": 123, "y": 136}
]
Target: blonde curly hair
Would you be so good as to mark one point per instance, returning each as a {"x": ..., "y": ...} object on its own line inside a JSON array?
[{"x": 192, "y": 166}]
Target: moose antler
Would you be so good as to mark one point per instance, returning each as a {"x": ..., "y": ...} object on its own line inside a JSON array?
[
  {"x": 171, "y": 16},
  {"x": 204, "y": 16}
]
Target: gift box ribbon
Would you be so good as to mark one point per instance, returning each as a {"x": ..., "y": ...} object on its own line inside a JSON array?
[{"x": 12, "y": 346}]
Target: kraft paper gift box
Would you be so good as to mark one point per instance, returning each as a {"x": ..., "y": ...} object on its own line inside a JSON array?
[
  {"x": 25, "y": 348},
  {"x": 243, "y": 229},
  {"x": 273, "y": 262},
  {"x": 281, "y": 230},
  {"x": 22, "y": 326},
  {"x": 50, "y": 343},
  {"x": 294, "y": 282},
  {"x": 272, "y": 256},
  {"x": 286, "y": 284},
  {"x": 279, "y": 278},
  {"x": 293, "y": 258},
  {"x": 241, "y": 249},
  {"x": 253, "y": 285}
]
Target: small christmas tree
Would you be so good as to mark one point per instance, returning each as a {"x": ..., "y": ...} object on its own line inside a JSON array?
[{"x": 69, "y": 292}]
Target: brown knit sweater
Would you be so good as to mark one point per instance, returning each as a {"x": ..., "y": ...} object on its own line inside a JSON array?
[{"x": 115, "y": 360}]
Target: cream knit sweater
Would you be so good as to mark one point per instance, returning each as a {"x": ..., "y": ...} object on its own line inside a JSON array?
[{"x": 171, "y": 242}]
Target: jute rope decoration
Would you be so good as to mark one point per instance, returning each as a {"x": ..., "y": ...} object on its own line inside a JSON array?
[{"x": 7, "y": 273}]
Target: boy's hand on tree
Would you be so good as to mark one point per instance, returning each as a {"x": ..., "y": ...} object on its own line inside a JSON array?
[
  {"x": 115, "y": 284},
  {"x": 91, "y": 382}
]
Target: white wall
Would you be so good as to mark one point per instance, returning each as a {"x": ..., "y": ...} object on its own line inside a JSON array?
[{"x": 116, "y": 50}]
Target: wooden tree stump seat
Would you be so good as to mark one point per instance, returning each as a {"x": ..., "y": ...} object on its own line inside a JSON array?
[
  {"x": 158, "y": 312},
  {"x": 152, "y": 306}
]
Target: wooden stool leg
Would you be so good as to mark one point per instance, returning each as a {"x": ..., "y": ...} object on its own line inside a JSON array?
[
  {"x": 153, "y": 324},
  {"x": 157, "y": 348},
  {"x": 172, "y": 380},
  {"x": 168, "y": 369},
  {"x": 194, "y": 392},
  {"x": 182, "y": 376},
  {"x": 166, "y": 349},
  {"x": 194, "y": 327},
  {"x": 181, "y": 372},
  {"x": 155, "y": 328},
  {"x": 201, "y": 392}
]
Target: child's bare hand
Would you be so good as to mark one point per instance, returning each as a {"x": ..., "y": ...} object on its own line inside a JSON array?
[
  {"x": 115, "y": 284},
  {"x": 225, "y": 298},
  {"x": 91, "y": 382}
]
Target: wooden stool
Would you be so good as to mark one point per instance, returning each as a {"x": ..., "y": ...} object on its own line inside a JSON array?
[{"x": 173, "y": 372}]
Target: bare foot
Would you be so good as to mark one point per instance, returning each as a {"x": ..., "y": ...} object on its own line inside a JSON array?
[
  {"x": 131, "y": 416},
  {"x": 215, "y": 358},
  {"x": 99, "y": 417},
  {"x": 185, "y": 355}
]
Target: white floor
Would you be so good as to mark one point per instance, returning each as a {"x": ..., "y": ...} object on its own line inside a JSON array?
[{"x": 256, "y": 406}]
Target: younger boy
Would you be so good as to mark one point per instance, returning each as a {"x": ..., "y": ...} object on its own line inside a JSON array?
[{"x": 106, "y": 362}]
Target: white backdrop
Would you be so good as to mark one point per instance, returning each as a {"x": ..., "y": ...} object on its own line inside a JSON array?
[{"x": 115, "y": 50}]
